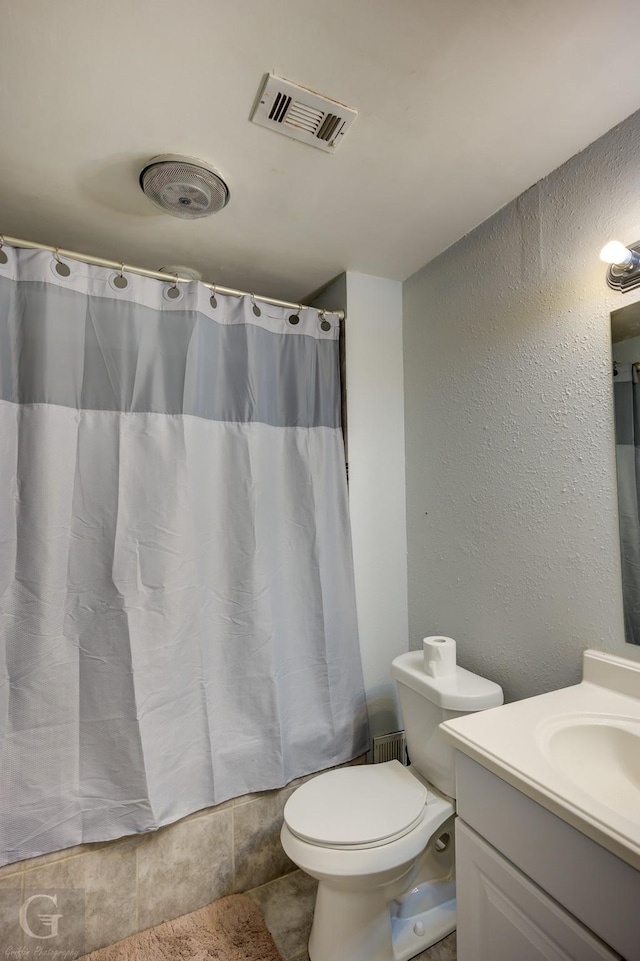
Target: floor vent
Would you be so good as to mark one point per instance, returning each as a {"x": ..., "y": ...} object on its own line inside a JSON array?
[
  {"x": 390, "y": 747},
  {"x": 296, "y": 112}
]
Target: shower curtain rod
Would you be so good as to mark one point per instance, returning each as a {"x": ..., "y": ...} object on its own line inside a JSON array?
[{"x": 156, "y": 274}]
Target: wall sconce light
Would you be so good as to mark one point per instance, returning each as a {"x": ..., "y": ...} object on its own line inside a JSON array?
[{"x": 624, "y": 265}]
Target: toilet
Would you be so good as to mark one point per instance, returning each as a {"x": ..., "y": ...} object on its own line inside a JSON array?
[{"x": 379, "y": 838}]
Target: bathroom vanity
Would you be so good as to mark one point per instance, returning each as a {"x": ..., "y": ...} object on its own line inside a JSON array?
[{"x": 548, "y": 828}]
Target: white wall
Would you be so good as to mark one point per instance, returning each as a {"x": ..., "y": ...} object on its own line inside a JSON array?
[
  {"x": 511, "y": 496},
  {"x": 375, "y": 408}
]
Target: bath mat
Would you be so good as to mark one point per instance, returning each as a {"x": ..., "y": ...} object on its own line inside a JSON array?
[{"x": 231, "y": 929}]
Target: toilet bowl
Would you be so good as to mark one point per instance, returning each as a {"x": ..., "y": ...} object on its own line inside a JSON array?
[
  {"x": 379, "y": 838},
  {"x": 395, "y": 820}
]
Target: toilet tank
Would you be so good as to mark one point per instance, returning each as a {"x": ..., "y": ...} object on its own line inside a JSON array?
[{"x": 426, "y": 702}]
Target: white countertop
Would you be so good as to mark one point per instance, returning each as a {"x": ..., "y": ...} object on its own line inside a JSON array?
[{"x": 511, "y": 741}]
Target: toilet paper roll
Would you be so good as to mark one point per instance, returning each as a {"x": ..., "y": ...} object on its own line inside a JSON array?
[{"x": 439, "y": 656}]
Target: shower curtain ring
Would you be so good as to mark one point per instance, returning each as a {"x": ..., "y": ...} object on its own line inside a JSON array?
[
  {"x": 325, "y": 324},
  {"x": 120, "y": 281},
  {"x": 294, "y": 319},
  {"x": 173, "y": 292},
  {"x": 212, "y": 298},
  {"x": 3, "y": 257},
  {"x": 62, "y": 269},
  {"x": 255, "y": 308}
]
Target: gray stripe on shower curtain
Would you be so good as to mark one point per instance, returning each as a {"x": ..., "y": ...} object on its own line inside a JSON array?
[
  {"x": 101, "y": 354},
  {"x": 177, "y": 613}
]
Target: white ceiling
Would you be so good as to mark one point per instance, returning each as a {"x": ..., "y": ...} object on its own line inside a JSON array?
[{"x": 463, "y": 104}]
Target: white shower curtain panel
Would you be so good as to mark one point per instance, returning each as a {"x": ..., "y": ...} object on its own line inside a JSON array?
[{"x": 177, "y": 615}]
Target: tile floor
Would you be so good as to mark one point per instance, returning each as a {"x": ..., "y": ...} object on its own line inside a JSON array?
[
  {"x": 287, "y": 904},
  {"x": 443, "y": 951}
]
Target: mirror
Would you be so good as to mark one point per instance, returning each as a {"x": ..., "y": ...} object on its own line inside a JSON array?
[{"x": 625, "y": 337}]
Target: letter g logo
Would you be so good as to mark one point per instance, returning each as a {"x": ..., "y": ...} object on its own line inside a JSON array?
[{"x": 49, "y": 921}]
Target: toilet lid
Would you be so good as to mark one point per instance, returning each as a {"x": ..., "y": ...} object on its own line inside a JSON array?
[{"x": 354, "y": 806}]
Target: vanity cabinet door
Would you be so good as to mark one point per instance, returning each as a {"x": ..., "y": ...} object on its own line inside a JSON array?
[{"x": 503, "y": 916}]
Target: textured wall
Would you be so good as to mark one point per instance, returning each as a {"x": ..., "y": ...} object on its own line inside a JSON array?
[{"x": 511, "y": 500}]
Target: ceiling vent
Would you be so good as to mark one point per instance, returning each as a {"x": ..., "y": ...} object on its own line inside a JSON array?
[{"x": 301, "y": 114}]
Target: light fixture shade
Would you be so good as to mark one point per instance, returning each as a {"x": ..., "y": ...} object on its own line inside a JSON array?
[{"x": 184, "y": 187}]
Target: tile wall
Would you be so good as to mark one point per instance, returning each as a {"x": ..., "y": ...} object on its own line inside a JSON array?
[{"x": 137, "y": 882}]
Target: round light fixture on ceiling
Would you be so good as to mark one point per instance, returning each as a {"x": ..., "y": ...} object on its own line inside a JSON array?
[
  {"x": 177, "y": 270},
  {"x": 184, "y": 187}
]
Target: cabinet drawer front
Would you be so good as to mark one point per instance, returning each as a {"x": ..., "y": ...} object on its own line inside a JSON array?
[{"x": 503, "y": 916}]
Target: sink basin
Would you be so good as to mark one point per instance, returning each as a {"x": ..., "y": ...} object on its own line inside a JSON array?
[
  {"x": 600, "y": 754},
  {"x": 575, "y": 751}
]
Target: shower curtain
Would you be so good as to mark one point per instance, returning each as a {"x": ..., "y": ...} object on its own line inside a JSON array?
[
  {"x": 177, "y": 615},
  {"x": 626, "y": 388}
]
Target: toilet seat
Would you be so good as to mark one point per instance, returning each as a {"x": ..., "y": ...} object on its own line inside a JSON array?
[
  {"x": 346, "y": 861},
  {"x": 356, "y": 808}
]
